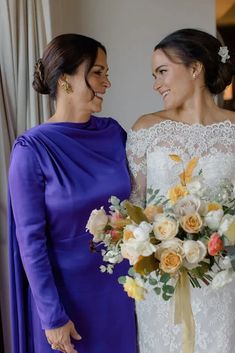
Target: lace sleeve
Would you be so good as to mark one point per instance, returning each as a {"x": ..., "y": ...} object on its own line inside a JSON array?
[{"x": 136, "y": 154}]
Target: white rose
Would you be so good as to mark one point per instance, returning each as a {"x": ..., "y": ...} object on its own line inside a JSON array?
[
  {"x": 165, "y": 227},
  {"x": 132, "y": 249},
  {"x": 222, "y": 278},
  {"x": 226, "y": 221},
  {"x": 174, "y": 244},
  {"x": 187, "y": 205},
  {"x": 96, "y": 223},
  {"x": 195, "y": 251},
  {"x": 196, "y": 186},
  {"x": 141, "y": 233},
  {"x": 213, "y": 219}
]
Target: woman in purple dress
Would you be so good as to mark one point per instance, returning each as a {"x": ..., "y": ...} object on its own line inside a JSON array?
[{"x": 59, "y": 172}]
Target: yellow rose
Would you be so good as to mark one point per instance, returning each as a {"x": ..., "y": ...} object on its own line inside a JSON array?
[
  {"x": 151, "y": 211},
  {"x": 165, "y": 227},
  {"x": 133, "y": 290},
  {"x": 176, "y": 192},
  {"x": 170, "y": 261},
  {"x": 191, "y": 223}
]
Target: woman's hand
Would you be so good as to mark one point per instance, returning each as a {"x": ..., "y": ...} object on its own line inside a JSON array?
[{"x": 59, "y": 338}]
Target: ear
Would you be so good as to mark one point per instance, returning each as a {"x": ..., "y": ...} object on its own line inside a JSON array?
[
  {"x": 196, "y": 69},
  {"x": 62, "y": 80}
]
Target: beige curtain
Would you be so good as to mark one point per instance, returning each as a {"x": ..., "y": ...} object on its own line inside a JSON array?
[{"x": 25, "y": 27}]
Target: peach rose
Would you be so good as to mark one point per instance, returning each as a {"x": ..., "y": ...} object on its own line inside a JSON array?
[
  {"x": 170, "y": 261},
  {"x": 215, "y": 244},
  {"x": 151, "y": 211},
  {"x": 133, "y": 289},
  {"x": 191, "y": 223}
]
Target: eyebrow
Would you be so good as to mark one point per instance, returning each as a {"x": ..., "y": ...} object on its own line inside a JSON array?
[
  {"x": 158, "y": 68},
  {"x": 101, "y": 67}
]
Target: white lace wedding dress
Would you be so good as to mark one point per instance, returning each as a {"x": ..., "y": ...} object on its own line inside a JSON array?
[{"x": 148, "y": 154}]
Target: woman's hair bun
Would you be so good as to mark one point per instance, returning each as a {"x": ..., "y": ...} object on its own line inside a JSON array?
[{"x": 38, "y": 78}]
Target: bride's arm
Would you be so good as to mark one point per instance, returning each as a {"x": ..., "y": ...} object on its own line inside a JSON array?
[{"x": 136, "y": 155}]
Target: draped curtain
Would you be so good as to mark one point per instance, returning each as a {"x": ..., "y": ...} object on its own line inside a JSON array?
[{"x": 25, "y": 27}]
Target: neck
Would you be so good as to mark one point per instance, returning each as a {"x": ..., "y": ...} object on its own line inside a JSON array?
[
  {"x": 200, "y": 108},
  {"x": 67, "y": 112}
]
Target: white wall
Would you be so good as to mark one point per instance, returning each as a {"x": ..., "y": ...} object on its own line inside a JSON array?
[{"x": 130, "y": 29}]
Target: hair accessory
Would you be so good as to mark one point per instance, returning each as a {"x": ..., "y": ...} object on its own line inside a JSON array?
[
  {"x": 224, "y": 54},
  {"x": 66, "y": 87},
  {"x": 39, "y": 68}
]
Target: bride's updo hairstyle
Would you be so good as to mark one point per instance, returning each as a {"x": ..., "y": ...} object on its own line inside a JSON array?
[
  {"x": 191, "y": 45},
  {"x": 63, "y": 55}
]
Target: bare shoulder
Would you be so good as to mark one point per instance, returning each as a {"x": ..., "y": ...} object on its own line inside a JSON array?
[
  {"x": 148, "y": 120},
  {"x": 229, "y": 115}
]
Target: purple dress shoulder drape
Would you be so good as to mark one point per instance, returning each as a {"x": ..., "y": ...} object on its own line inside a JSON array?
[{"x": 59, "y": 172}]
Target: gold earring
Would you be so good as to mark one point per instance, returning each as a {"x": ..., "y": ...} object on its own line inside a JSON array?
[
  {"x": 66, "y": 87},
  {"x": 194, "y": 75}
]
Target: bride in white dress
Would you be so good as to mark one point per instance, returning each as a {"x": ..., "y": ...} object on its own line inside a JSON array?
[{"x": 188, "y": 67}]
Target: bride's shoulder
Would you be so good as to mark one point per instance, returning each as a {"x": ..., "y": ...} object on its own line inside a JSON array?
[
  {"x": 148, "y": 120},
  {"x": 227, "y": 115}
]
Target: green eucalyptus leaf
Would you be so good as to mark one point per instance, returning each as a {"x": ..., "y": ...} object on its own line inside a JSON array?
[
  {"x": 165, "y": 277},
  {"x": 157, "y": 290},
  {"x": 122, "y": 279},
  {"x": 166, "y": 297}
]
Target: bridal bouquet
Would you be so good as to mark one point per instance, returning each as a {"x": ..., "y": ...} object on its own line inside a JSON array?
[{"x": 189, "y": 232}]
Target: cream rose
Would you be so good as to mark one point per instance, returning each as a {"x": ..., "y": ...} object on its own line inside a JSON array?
[
  {"x": 96, "y": 224},
  {"x": 191, "y": 223},
  {"x": 174, "y": 244},
  {"x": 165, "y": 227},
  {"x": 170, "y": 261},
  {"x": 187, "y": 205},
  {"x": 195, "y": 251}
]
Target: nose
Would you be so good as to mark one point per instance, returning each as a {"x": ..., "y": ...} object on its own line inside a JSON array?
[
  {"x": 157, "y": 84},
  {"x": 107, "y": 83}
]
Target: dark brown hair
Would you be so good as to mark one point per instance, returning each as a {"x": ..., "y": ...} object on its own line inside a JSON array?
[
  {"x": 63, "y": 55},
  {"x": 191, "y": 45}
]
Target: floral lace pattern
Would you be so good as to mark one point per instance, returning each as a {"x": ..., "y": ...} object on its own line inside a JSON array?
[{"x": 148, "y": 154}]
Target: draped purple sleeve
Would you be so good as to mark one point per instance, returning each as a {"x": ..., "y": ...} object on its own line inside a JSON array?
[{"x": 26, "y": 185}]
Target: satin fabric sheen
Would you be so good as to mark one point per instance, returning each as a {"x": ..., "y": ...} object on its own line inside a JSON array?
[{"x": 59, "y": 172}]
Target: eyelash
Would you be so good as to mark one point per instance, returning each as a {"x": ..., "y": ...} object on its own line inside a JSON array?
[{"x": 100, "y": 73}]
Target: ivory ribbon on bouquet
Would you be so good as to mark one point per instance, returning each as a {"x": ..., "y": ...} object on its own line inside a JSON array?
[{"x": 183, "y": 312}]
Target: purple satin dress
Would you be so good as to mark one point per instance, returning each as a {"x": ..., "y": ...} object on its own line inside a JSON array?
[{"x": 59, "y": 172}]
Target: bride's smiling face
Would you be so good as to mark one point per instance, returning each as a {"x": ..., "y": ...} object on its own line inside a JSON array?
[{"x": 172, "y": 79}]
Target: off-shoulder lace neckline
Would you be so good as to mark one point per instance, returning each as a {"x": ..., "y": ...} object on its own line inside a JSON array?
[{"x": 170, "y": 122}]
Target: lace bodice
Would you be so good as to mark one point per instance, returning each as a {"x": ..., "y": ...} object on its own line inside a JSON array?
[{"x": 148, "y": 154}]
